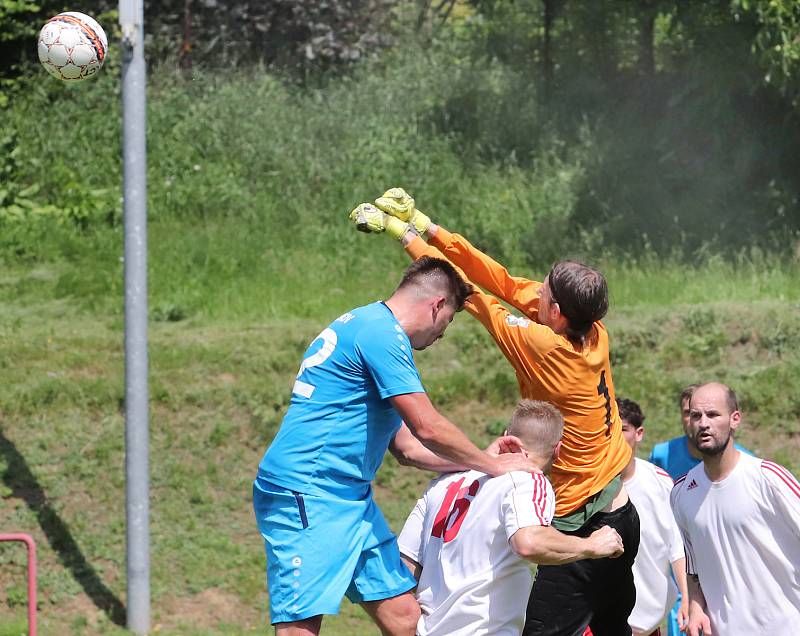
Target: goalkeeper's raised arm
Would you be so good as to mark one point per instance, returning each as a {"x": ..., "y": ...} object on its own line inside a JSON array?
[
  {"x": 480, "y": 268},
  {"x": 561, "y": 356}
]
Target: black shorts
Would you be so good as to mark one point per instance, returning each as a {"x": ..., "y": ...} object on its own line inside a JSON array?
[{"x": 599, "y": 593}]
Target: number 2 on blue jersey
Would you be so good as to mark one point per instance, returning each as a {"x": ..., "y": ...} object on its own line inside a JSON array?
[{"x": 304, "y": 389}]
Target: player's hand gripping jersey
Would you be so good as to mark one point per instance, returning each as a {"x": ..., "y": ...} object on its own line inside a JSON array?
[{"x": 577, "y": 380}]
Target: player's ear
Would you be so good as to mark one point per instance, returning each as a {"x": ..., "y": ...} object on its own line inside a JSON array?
[
  {"x": 557, "y": 316},
  {"x": 437, "y": 305},
  {"x": 736, "y": 418},
  {"x": 639, "y": 434}
]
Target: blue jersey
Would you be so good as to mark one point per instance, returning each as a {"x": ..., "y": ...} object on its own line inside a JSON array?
[
  {"x": 674, "y": 457},
  {"x": 340, "y": 423}
]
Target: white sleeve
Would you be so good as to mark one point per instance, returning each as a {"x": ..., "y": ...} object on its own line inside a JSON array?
[
  {"x": 412, "y": 538},
  {"x": 684, "y": 533},
  {"x": 783, "y": 492},
  {"x": 530, "y": 501},
  {"x": 676, "y": 549}
]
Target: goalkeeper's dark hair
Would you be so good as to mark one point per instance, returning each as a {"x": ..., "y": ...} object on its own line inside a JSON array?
[
  {"x": 581, "y": 292},
  {"x": 440, "y": 274},
  {"x": 631, "y": 412},
  {"x": 538, "y": 424}
]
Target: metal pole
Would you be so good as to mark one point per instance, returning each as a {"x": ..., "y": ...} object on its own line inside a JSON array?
[{"x": 137, "y": 507}]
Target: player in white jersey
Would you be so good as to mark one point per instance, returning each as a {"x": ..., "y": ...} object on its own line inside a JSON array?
[
  {"x": 468, "y": 536},
  {"x": 740, "y": 520},
  {"x": 660, "y": 556}
]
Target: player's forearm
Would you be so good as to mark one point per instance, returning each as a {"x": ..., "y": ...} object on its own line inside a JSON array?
[
  {"x": 425, "y": 459},
  {"x": 431, "y": 233},
  {"x": 679, "y": 572},
  {"x": 445, "y": 440},
  {"x": 547, "y": 546},
  {"x": 486, "y": 272},
  {"x": 409, "y": 451},
  {"x": 698, "y": 620},
  {"x": 695, "y": 592},
  {"x": 439, "y": 435}
]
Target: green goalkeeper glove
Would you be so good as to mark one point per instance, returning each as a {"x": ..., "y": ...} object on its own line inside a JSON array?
[
  {"x": 370, "y": 219},
  {"x": 400, "y": 204}
]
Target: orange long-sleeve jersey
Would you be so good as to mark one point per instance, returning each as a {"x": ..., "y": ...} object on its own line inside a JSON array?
[{"x": 549, "y": 367}]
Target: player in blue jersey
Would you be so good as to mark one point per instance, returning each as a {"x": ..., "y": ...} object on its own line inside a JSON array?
[
  {"x": 678, "y": 456},
  {"x": 324, "y": 536}
]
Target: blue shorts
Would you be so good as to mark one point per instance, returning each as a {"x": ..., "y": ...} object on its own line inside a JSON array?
[{"x": 321, "y": 549}]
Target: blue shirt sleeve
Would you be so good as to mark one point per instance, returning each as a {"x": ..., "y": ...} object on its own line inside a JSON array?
[
  {"x": 656, "y": 455},
  {"x": 387, "y": 355}
]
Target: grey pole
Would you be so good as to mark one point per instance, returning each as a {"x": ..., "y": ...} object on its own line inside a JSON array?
[{"x": 137, "y": 506}]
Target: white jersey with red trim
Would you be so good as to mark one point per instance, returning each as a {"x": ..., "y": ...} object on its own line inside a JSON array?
[
  {"x": 742, "y": 539},
  {"x": 659, "y": 545},
  {"x": 472, "y": 581}
]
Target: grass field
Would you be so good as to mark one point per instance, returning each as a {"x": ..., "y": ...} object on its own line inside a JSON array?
[
  {"x": 250, "y": 256},
  {"x": 220, "y": 383}
]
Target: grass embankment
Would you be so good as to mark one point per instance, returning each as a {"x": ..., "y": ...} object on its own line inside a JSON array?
[
  {"x": 250, "y": 257},
  {"x": 219, "y": 387}
]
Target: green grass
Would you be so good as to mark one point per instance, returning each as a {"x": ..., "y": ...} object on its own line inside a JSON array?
[
  {"x": 250, "y": 256},
  {"x": 14, "y": 628},
  {"x": 219, "y": 386}
]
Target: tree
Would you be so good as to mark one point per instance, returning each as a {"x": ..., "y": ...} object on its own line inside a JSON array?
[
  {"x": 777, "y": 39},
  {"x": 299, "y": 35}
]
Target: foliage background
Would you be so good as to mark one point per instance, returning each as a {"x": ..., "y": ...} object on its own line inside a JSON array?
[{"x": 679, "y": 125}]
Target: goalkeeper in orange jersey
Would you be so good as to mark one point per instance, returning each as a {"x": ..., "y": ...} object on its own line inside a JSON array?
[{"x": 559, "y": 351}]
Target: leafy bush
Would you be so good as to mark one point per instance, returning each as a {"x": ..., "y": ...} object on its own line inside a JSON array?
[{"x": 251, "y": 179}]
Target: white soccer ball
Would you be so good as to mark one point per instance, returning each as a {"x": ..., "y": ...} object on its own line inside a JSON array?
[{"x": 72, "y": 46}]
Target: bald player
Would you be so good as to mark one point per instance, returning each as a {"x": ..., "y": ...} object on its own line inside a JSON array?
[{"x": 740, "y": 520}]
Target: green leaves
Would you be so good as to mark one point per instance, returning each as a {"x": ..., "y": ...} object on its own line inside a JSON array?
[
  {"x": 15, "y": 22},
  {"x": 20, "y": 203},
  {"x": 777, "y": 39}
]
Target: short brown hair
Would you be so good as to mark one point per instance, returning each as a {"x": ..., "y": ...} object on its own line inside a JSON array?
[
  {"x": 538, "y": 424},
  {"x": 440, "y": 274},
  {"x": 733, "y": 401},
  {"x": 630, "y": 412},
  {"x": 581, "y": 292},
  {"x": 687, "y": 392}
]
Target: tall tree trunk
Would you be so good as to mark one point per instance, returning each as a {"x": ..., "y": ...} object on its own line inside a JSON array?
[
  {"x": 647, "y": 62},
  {"x": 423, "y": 6},
  {"x": 185, "y": 56},
  {"x": 547, "y": 50}
]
